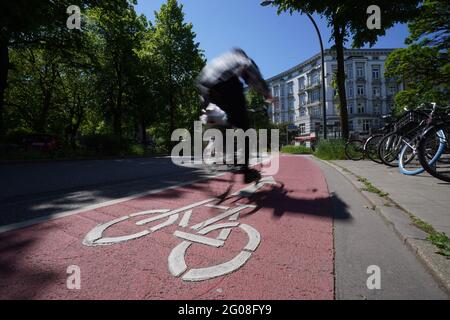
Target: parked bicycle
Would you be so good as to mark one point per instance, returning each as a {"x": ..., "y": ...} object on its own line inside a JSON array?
[{"x": 358, "y": 149}]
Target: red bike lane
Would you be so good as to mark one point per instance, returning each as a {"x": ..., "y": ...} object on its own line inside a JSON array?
[{"x": 279, "y": 245}]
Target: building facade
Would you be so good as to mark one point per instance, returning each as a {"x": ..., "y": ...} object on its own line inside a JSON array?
[{"x": 298, "y": 94}]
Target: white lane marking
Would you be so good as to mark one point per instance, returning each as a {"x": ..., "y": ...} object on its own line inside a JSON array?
[
  {"x": 199, "y": 239},
  {"x": 31, "y": 222},
  {"x": 218, "y": 226},
  {"x": 97, "y": 231},
  {"x": 217, "y": 207},
  {"x": 164, "y": 215},
  {"x": 224, "y": 234},
  {"x": 149, "y": 212},
  {"x": 185, "y": 220},
  {"x": 177, "y": 264},
  {"x": 169, "y": 221},
  {"x": 108, "y": 241},
  {"x": 254, "y": 237},
  {"x": 218, "y": 270},
  {"x": 235, "y": 216},
  {"x": 221, "y": 216}
]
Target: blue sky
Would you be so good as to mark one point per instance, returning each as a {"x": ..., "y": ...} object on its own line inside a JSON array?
[{"x": 275, "y": 42}]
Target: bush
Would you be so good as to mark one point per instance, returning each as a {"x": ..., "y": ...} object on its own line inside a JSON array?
[
  {"x": 296, "y": 150},
  {"x": 333, "y": 149},
  {"x": 107, "y": 145}
]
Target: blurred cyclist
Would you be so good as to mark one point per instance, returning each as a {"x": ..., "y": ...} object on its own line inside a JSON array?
[{"x": 219, "y": 84}]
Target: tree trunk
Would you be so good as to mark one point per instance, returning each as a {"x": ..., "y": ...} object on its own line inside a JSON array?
[
  {"x": 339, "y": 42},
  {"x": 4, "y": 68},
  {"x": 117, "y": 115}
]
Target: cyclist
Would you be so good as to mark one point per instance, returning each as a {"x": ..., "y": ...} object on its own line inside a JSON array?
[{"x": 219, "y": 84}]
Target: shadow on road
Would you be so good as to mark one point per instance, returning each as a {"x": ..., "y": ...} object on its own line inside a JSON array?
[{"x": 14, "y": 251}]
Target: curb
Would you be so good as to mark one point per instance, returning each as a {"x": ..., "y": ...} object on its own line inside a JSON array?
[{"x": 399, "y": 220}]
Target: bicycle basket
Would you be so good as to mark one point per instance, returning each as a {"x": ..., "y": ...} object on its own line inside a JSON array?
[{"x": 409, "y": 121}]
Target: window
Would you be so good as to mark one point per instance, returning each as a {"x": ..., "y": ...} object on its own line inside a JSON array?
[
  {"x": 361, "y": 108},
  {"x": 360, "y": 90},
  {"x": 301, "y": 83},
  {"x": 302, "y": 112},
  {"x": 291, "y": 117},
  {"x": 392, "y": 89},
  {"x": 375, "y": 72},
  {"x": 290, "y": 88},
  {"x": 376, "y": 91},
  {"x": 350, "y": 71},
  {"x": 350, "y": 107},
  {"x": 276, "y": 91},
  {"x": 350, "y": 91},
  {"x": 315, "y": 78},
  {"x": 283, "y": 91},
  {"x": 367, "y": 124},
  {"x": 302, "y": 128},
  {"x": 360, "y": 71},
  {"x": 376, "y": 108},
  {"x": 315, "y": 96},
  {"x": 291, "y": 104},
  {"x": 303, "y": 99},
  {"x": 350, "y": 125},
  {"x": 316, "y": 112}
]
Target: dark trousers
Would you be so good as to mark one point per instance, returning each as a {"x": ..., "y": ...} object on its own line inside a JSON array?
[{"x": 229, "y": 96}]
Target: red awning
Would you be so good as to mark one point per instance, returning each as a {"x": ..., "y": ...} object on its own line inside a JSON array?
[{"x": 305, "y": 138}]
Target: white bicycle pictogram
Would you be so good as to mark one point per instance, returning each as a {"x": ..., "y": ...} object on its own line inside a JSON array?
[{"x": 176, "y": 259}]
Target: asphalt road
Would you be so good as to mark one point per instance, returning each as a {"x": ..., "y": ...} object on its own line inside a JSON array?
[{"x": 33, "y": 190}]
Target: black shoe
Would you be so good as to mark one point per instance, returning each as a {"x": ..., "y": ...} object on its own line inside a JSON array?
[{"x": 252, "y": 175}]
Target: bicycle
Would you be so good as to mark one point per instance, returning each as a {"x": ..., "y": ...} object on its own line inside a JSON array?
[
  {"x": 403, "y": 130},
  {"x": 436, "y": 137},
  {"x": 357, "y": 149},
  {"x": 409, "y": 163}
]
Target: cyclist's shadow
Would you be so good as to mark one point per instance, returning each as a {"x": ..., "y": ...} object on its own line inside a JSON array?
[{"x": 278, "y": 198}]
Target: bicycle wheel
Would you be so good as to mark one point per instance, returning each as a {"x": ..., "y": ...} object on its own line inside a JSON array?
[
  {"x": 371, "y": 147},
  {"x": 408, "y": 161},
  {"x": 354, "y": 150},
  {"x": 436, "y": 138},
  {"x": 389, "y": 149}
]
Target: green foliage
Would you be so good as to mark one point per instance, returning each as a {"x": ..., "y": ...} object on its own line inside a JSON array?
[
  {"x": 119, "y": 77},
  {"x": 424, "y": 65},
  {"x": 331, "y": 149},
  {"x": 259, "y": 118},
  {"x": 296, "y": 150},
  {"x": 442, "y": 242}
]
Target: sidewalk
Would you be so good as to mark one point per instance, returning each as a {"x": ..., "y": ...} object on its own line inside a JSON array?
[{"x": 423, "y": 196}]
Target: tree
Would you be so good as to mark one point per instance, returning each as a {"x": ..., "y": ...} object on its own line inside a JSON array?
[
  {"x": 180, "y": 60},
  {"x": 259, "y": 118},
  {"x": 117, "y": 33},
  {"x": 349, "y": 18},
  {"x": 33, "y": 22},
  {"x": 424, "y": 66}
]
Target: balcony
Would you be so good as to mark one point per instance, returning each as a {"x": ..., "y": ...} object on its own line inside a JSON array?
[
  {"x": 314, "y": 85},
  {"x": 310, "y": 104},
  {"x": 376, "y": 81}
]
